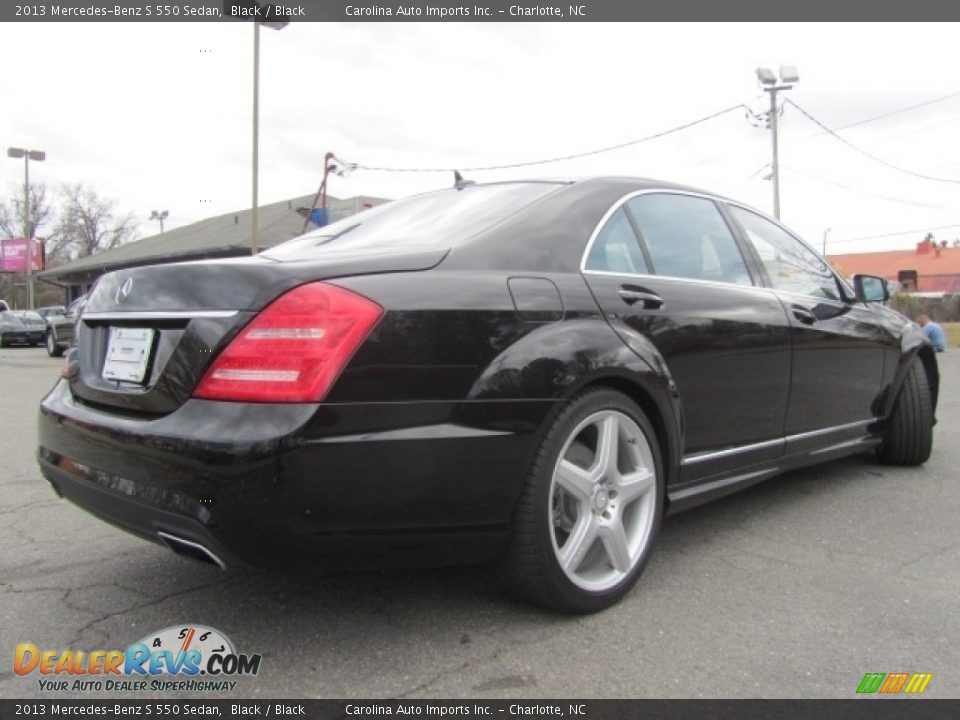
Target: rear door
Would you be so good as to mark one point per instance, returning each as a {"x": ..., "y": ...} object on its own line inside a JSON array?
[
  {"x": 666, "y": 266},
  {"x": 838, "y": 344}
]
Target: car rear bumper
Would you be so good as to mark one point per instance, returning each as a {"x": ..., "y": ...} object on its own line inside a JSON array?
[
  {"x": 123, "y": 504},
  {"x": 429, "y": 483},
  {"x": 24, "y": 338}
]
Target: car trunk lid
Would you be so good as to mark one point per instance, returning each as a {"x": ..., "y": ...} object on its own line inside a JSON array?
[{"x": 148, "y": 334}]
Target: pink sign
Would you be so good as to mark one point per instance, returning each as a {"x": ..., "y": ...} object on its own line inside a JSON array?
[{"x": 13, "y": 255}]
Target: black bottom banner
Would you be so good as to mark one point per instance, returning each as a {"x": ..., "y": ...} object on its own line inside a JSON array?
[{"x": 858, "y": 709}]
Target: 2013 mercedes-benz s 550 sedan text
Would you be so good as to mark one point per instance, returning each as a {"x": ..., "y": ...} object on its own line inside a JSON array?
[{"x": 528, "y": 373}]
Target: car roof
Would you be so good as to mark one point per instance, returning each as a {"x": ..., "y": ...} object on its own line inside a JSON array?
[
  {"x": 611, "y": 181},
  {"x": 550, "y": 234}
]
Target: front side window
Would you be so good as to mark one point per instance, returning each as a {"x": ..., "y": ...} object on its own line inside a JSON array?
[
  {"x": 616, "y": 248},
  {"x": 687, "y": 237},
  {"x": 790, "y": 264}
]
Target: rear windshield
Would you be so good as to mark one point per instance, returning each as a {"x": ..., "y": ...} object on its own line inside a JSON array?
[{"x": 438, "y": 219}]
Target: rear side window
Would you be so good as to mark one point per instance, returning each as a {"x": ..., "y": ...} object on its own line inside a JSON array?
[
  {"x": 616, "y": 248},
  {"x": 439, "y": 219},
  {"x": 687, "y": 237},
  {"x": 790, "y": 264}
]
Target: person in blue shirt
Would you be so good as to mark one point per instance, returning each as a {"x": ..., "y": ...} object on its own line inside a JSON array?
[{"x": 934, "y": 333}]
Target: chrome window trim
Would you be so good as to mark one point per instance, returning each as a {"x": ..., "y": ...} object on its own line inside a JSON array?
[
  {"x": 658, "y": 191},
  {"x": 716, "y": 199},
  {"x": 800, "y": 240},
  {"x": 774, "y": 221},
  {"x": 706, "y": 456},
  {"x": 158, "y": 315},
  {"x": 674, "y": 278}
]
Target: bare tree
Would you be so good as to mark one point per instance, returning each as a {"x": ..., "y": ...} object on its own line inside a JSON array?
[
  {"x": 12, "y": 286},
  {"x": 11, "y": 212},
  {"x": 88, "y": 224}
]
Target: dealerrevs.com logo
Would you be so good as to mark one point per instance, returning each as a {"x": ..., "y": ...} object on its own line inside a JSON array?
[{"x": 179, "y": 658}]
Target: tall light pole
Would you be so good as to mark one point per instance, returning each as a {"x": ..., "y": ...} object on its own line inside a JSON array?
[
  {"x": 161, "y": 216},
  {"x": 255, "y": 210},
  {"x": 772, "y": 84},
  {"x": 825, "y": 233},
  {"x": 27, "y": 155}
]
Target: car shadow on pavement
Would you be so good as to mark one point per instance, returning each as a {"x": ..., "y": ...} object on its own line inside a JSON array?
[
  {"x": 293, "y": 595},
  {"x": 406, "y": 632}
]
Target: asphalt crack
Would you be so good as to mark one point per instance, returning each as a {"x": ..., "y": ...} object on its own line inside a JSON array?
[{"x": 143, "y": 606}]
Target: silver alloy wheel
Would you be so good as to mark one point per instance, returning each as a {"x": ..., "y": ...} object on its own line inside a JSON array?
[
  {"x": 51, "y": 344},
  {"x": 603, "y": 497}
]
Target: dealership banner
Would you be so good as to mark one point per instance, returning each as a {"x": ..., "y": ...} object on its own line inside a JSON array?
[{"x": 13, "y": 255}]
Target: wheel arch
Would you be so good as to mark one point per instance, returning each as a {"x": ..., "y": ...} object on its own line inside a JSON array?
[
  {"x": 664, "y": 422},
  {"x": 929, "y": 360},
  {"x": 923, "y": 352},
  {"x": 559, "y": 360}
]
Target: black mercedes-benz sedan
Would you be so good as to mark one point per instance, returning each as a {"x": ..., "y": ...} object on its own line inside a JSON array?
[{"x": 526, "y": 373}]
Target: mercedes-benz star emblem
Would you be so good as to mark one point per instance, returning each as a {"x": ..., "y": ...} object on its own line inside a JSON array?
[{"x": 123, "y": 292}]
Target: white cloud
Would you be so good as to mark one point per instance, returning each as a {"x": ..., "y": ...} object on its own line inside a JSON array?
[{"x": 158, "y": 115}]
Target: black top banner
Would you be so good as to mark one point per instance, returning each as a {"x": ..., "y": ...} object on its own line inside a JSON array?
[{"x": 577, "y": 11}]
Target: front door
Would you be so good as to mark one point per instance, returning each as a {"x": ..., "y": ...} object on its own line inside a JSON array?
[{"x": 838, "y": 348}]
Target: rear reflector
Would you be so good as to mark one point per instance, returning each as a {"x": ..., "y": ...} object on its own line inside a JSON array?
[{"x": 294, "y": 349}]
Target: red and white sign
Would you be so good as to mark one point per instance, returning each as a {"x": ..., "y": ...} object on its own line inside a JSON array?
[{"x": 13, "y": 255}]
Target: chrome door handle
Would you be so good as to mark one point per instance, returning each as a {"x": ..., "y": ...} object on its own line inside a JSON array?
[{"x": 651, "y": 301}]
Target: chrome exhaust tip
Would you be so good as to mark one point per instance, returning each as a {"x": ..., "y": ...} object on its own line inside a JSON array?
[{"x": 191, "y": 549}]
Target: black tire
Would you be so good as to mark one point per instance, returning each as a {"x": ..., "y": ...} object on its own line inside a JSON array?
[
  {"x": 53, "y": 348},
  {"x": 530, "y": 567},
  {"x": 909, "y": 437}
]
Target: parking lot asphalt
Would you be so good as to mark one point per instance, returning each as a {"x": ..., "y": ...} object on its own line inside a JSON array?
[{"x": 793, "y": 588}]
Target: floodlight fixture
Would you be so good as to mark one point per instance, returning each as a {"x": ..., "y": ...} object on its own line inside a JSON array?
[
  {"x": 766, "y": 76},
  {"x": 789, "y": 74},
  {"x": 161, "y": 216}
]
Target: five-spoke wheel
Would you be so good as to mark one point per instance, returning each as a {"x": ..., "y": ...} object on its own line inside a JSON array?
[
  {"x": 591, "y": 511},
  {"x": 602, "y": 500}
]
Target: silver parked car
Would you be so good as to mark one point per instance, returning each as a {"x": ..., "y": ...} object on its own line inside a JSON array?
[{"x": 23, "y": 327}]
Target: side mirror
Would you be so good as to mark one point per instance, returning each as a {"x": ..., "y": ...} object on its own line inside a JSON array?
[{"x": 870, "y": 288}]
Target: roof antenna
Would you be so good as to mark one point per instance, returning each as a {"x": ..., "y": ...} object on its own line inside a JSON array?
[{"x": 459, "y": 183}]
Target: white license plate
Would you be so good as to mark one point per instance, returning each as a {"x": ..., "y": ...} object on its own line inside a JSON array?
[{"x": 128, "y": 352}]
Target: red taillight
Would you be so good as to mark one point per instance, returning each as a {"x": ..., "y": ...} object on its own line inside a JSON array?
[{"x": 294, "y": 349}]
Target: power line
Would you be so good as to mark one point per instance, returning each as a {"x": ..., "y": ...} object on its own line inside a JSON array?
[
  {"x": 863, "y": 152},
  {"x": 894, "y": 234},
  {"x": 922, "y": 128},
  {"x": 859, "y": 191},
  {"x": 898, "y": 112},
  {"x": 561, "y": 158}
]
